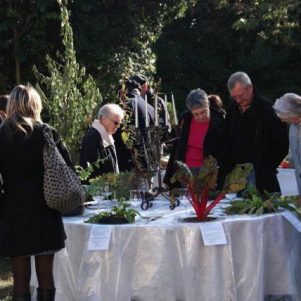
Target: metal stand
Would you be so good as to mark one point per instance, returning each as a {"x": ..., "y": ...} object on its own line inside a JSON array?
[{"x": 152, "y": 146}]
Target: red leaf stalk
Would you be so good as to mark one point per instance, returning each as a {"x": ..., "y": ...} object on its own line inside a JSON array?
[
  {"x": 215, "y": 202},
  {"x": 204, "y": 200},
  {"x": 194, "y": 201}
]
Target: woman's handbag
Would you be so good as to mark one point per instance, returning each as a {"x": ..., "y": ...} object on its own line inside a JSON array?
[{"x": 62, "y": 187}]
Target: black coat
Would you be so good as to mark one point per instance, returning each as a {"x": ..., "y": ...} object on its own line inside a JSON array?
[
  {"x": 211, "y": 142},
  {"x": 125, "y": 160},
  {"x": 27, "y": 225},
  {"x": 161, "y": 107},
  {"x": 270, "y": 145},
  {"x": 92, "y": 149},
  {"x": 141, "y": 111}
]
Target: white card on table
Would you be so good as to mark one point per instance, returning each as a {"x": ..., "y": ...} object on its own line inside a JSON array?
[
  {"x": 99, "y": 239},
  {"x": 287, "y": 181},
  {"x": 293, "y": 220},
  {"x": 213, "y": 234}
]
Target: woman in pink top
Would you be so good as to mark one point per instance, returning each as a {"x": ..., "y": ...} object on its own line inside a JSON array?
[{"x": 198, "y": 136}]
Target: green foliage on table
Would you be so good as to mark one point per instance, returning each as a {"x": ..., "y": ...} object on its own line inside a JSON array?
[
  {"x": 85, "y": 173},
  {"x": 199, "y": 185},
  {"x": 68, "y": 94},
  {"x": 183, "y": 174},
  {"x": 255, "y": 203},
  {"x": 236, "y": 180},
  {"x": 120, "y": 184},
  {"x": 122, "y": 210}
]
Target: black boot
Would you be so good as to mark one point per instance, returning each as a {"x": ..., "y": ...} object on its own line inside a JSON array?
[
  {"x": 21, "y": 297},
  {"x": 46, "y": 295}
]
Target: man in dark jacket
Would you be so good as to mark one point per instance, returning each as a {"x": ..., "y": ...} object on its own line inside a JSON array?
[
  {"x": 129, "y": 103},
  {"x": 146, "y": 90},
  {"x": 252, "y": 133}
]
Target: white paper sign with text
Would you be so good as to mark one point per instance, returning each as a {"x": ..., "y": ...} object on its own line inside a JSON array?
[
  {"x": 213, "y": 234},
  {"x": 287, "y": 181},
  {"x": 99, "y": 239}
]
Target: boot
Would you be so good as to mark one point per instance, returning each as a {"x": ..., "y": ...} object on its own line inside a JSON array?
[
  {"x": 21, "y": 297},
  {"x": 46, "y": 295}
]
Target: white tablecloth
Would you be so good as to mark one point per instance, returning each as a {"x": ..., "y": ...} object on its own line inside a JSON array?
[{"x": 162, "y": 259}]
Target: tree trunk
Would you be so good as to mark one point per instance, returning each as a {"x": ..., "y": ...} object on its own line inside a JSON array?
[{"x": 17, "y": 60}]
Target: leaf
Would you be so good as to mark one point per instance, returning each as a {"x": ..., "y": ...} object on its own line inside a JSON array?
[
  {"x": 298, "y": 210},
  {"x": 252, "y": 210},
  {"x": 183, "y": 174},
  {"x": 236, "y": 180},
  {"x": 125, "y": 137},
  {"x": 260, "y": 211},
  {"x": 245, "y": 209}
]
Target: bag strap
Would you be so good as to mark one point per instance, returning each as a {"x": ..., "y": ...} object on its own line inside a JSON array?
[{"x": 49, "y": 143}]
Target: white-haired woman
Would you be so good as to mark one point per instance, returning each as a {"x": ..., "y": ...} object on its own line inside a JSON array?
[
  {"x": 28, "y": 227},
  {"x": 288, "y": 108},
  {"x": 98, "y": 143}
]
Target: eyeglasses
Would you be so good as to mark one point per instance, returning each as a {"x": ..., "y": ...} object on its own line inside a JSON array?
[{"x": 115, "y": 122}]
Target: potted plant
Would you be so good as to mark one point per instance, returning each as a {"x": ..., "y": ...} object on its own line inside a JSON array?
[
  {"x": 120, "y": 214},
  {"x": 198, "y": 186},
  {"x": 255, "y": 203}
]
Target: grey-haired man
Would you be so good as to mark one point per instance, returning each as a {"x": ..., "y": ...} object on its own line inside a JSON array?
[{"x": 252, "y": 133}]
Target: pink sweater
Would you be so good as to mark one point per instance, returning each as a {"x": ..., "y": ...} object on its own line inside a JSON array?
[{"x": 194, "y": 156}]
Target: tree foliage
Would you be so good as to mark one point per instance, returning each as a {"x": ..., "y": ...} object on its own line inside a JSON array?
[
  {"x": 216, "y": 38},
  {"x": 115, "y": 38},
  {"x": 28, "y": 30},
  {"x": 188, "y": 43},
  {"x": 68, "y": 94}
]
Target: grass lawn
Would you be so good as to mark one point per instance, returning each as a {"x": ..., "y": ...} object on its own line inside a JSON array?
[{"x": 6, "y": 280}]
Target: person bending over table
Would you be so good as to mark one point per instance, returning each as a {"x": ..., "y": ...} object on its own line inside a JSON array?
[
  {"x": 198, "y": 137},
  {"x": 288, "y": 108},
  {"x": 253, "y": 133}
]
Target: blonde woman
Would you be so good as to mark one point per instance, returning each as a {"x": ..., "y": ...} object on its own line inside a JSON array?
[{"x": 27, "y": 226}]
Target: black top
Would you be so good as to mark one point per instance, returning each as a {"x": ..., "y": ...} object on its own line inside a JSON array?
[
  {"x": 27, "y": 225},
  {"x": 269, "y": 145},
  {"x": 123, "y": 153},
  {"x": 92, "y": 149},
  {"x": 141, "y": 110},
  {"x": 243, "y": 137},
  {"x": 161, "y": 107}
]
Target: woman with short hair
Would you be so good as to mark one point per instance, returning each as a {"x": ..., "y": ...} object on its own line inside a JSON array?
[
  {"x": 288, "y": 108},
  {"x": 198, "y": 136},
  {"x": 28, "y": 227},
  {"x": 98, "y": 142}
]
